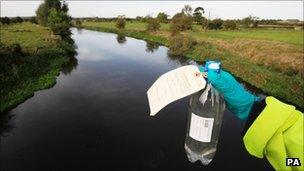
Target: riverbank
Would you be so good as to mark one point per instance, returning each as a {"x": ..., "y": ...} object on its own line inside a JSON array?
[
  {"x": 31, "y": 58},
  {"x": 274, "y": 66}
]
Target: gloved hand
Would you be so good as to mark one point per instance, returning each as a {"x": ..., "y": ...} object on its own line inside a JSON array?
[{"x": 238, "y": 100}]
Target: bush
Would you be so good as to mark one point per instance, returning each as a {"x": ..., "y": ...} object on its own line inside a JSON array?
[
  {"x": 180, "y": 22},
  {"x": 120, "y": 23},
  {"x": 215, "y": 24},
  {"x": 19, "y": 19},
  {"x": 5, "y": 20},
  {"x": 33, "y": 20},
  {"x": 162, "y": 17},
  {"x": 180, "y": 44},
  {"x": 78, "y": 22},
  {"x": 153, "y": 24},
  {"x": 229, "y": 25},
  {"x": 250, "y": 21}
]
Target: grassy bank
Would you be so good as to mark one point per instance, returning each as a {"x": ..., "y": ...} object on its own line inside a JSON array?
[
  {"x": 31, "y": 58},
  {"x": 271, "y": 60}
]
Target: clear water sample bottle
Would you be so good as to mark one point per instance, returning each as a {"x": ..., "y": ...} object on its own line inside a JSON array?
[{"x": 204, "y": 124}]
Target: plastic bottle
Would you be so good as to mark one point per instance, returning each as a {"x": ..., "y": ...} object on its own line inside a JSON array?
[{"x": 204, "y": 124}]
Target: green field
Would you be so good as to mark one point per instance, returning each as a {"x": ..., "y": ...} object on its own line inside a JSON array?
[
  {"x": 26, "y": 34},
  {"x": 271, "y": 60},
  {"x": 33, "y": 68},
  {"x": 282, "y": 35}
]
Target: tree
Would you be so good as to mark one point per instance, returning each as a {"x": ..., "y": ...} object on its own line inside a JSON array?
[
  {"x": 5, "y": 20},
  {"x": 153, "y": 24},
  {"x": 215, "y": 24},
  {"x": 121, "y": 22},
  {"x": 139, "y": 18},
  {"x": 65, "y": 7},
  {"x": 250, "y": 21},
  {"x": 162, "y": 17},
  {"x": 78, "y": 22},
  {"x": 198, "y": 15},
  {"x": 19, "y": 19},
  {"x": 146, "y": 18},
  {"x": 187, "y": 10},
  {"x": 204, "y": 23},
  {"x": 42, "y": 14},
  {"x": 59, "y": 22},
  {"x": 229, "y": 25},
  {"x": 43, "y": 10},
  {"x": 33, "y": 20},
  {"x": 180, "y": 22}
]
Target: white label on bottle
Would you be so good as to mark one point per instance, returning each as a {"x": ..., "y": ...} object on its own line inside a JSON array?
[{"x": 201, "y": 128}]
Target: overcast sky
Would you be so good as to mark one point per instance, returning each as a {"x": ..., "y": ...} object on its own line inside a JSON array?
[{"x": 216, "y": 9}]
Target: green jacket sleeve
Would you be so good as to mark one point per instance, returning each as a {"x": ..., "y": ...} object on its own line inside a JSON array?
[{"x": 277, "y": 133}]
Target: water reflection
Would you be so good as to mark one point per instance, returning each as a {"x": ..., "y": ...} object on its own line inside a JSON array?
[
  {"x": 151, "y": 46},
  {"x": 121, "y": 39},
  {"x": 79, "y": 30},
  {"x": 69, "y": 67},
  {"x": 6, "y": 123},
  {"x": 179, "y": 59}
]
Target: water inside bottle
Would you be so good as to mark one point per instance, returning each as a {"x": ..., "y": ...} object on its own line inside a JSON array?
[{"x": 204, "y": 123}]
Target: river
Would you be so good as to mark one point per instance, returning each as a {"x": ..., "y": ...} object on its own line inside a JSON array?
[{"x": 97, "y": 116}]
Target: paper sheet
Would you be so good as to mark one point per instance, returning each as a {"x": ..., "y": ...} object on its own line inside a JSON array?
[
  {"x": 201, "y": 128},
  {"x": 174, "y": 85}
]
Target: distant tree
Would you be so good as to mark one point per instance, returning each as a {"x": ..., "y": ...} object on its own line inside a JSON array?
[
  {"x": 153, "y": 24},
  {"x": 121, "y": 22},
  {"x": 229, "y": 25},
  {"x": 250, "y": 21},
  {"x": 78, "y": 22},
  {"x": 19, "y": 19},
  {"x": 215, "y": 24},
  {"x": 33, "y": 20},
  {"x": 198, "y": 15},
  {"x": 180, "y": 22},
  {"x": 13, "y": 20},
  {"x": 187, "y": 10},
  {"x": 255, "y": 24},
  {"x": 204, "y": 23},
  {"x": 146, "y": 18},
  {"x": 162, "y": 17},
  {"x": 5, "y": 20},
  {"x": 139, "y": 18}
]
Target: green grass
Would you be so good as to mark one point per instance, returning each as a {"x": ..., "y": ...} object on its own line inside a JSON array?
[
  {"x": 134, "y": 25},
  {"x": 26, "y": 34},
  {"x": 294, "y": 37},
  {"x": 287, "y": 36},
  {"x": 288, "y": 88},
  {"x": 22, "y": 74}
]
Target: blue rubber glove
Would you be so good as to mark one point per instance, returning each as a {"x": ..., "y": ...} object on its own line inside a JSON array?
[{"x": 238, "y": 100}]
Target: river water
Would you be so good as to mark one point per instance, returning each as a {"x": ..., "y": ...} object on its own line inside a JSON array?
[{"x": 97, "y": 116}]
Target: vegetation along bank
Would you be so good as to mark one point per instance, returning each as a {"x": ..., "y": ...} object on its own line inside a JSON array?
[
  {"x": 33, "y": 52},
  {"x": 269, "y": 59}
]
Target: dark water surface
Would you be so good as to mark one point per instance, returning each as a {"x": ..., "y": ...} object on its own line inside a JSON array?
[{"x": 97, "y": 116}]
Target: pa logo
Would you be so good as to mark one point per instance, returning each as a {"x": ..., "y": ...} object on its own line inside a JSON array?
[{"x": 293, "y": 162}]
